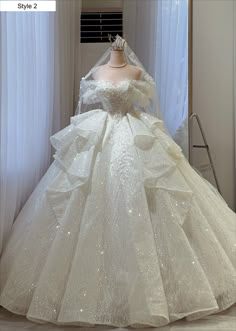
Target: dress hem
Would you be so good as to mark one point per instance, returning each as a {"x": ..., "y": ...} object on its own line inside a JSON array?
[{"x": 189, "y": 316}]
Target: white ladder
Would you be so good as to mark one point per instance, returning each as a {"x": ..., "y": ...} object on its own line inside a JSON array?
[{"x": 204, "y": 145}]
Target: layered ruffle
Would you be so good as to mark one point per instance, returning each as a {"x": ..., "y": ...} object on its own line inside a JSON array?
[
  {"x": 159, "y": 156},
  {"x": 76, "y": 147}
]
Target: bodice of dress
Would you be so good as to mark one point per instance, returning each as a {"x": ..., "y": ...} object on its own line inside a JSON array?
[{"x": 118, "y": 97}]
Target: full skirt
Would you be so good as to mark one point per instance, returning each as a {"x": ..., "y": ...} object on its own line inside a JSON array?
[{"x": 120, "y": 231}]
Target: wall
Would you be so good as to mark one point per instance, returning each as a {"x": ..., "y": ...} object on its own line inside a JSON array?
[
  {"x": 213, "y": 34},
  {"x": 102, "y": 4}
]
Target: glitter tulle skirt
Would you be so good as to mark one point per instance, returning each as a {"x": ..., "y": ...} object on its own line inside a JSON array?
[{"x": 120, "y": 231}]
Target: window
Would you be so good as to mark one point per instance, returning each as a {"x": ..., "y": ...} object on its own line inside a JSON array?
[{"x": 96, "y": 26}]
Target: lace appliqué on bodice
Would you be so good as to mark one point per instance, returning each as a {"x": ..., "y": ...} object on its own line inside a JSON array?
[{"x": 120, "y": 97}]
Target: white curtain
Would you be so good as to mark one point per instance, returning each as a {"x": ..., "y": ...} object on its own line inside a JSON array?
[
  {"x": 37, "y": 75},
  {"x": 158, "y": 32}
]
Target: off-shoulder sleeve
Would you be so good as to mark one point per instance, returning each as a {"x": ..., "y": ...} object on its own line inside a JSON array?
[
  {"x": 143, "y": 93},
  {"x": 88, "y": 91}
]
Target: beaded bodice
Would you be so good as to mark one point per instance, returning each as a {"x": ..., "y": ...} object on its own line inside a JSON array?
[{"x": 118, "y": 97}]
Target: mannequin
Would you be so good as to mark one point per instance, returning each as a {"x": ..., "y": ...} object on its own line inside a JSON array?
[{"x": 117, "y": 69}]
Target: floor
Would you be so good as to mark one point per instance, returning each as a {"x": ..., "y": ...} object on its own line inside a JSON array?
[{"x": 225, "y": 321}]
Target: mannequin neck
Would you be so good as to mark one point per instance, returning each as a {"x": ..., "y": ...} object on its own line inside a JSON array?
[{"x": 117, "y": 59}]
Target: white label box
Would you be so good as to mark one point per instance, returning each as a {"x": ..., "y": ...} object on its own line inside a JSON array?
[{"x": 22, "y": 6}]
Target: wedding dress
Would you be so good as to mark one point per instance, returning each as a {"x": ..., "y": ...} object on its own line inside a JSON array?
[{"x": 121, "y": 230}]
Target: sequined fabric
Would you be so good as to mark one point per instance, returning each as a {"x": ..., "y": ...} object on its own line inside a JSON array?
[{"x": 121, "y": 230}]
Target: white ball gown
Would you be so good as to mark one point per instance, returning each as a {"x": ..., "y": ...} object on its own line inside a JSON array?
[{"x": 121, "y": 230}]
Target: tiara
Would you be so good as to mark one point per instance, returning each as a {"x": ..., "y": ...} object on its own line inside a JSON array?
[{"x": 117, "y": 43}]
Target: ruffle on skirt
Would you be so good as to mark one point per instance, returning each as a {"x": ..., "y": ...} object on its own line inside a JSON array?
[
  {"x": 76, "y": 147},
  {"x": 127, "y": 235}
]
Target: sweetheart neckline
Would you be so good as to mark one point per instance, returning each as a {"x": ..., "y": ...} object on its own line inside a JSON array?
[
  {"x": 120, "y": 82},
  {"x": 127, "y": 80}
]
